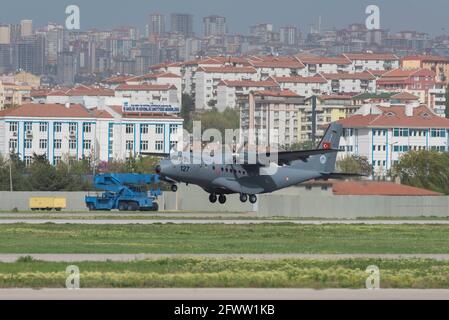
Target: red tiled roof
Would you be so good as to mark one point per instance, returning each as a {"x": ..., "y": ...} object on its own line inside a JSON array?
[
  {"x": 149, "y": 76},
  {"x": 335, "y": 97},
  {"x": 227, "y": 69},
  {"x": 373, "y": 188},
  {"x": 394, "y": 116},
  {"x": 299, "y": 79},
  {"x": 145, "y": 87},
  {"x": 371, "y": 56},
  {"x": 426, "y": 58},
  {"x": 247, "y": 83},
  {"x": 312, "y": 59},
  {"x": 345, "y": 75},
  {"x": 404, "y": 96},
  {"x": 277, "y": 64},
  {"x": 281, "y": 93},
  {"x": 47, "y": 111}
]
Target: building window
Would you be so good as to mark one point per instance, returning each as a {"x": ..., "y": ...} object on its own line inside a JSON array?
[
  {"x": 28, "y": 126},
  {"x": 174, "y": 145},
  {"x": 144, "y": 129},
  {"x": 28, "y": 143},
  {"x": 13, "y": 126},
  {"x": 87, "y": 144},
  {"x": 12, "y": 144},
  {"x": 159, "y": 129},
  {"x": 57, "y": 127},
  {"x": 43, "y": 127},
  {"x": 87, "y": 127},
  {"x": 400, "y": 132},
  {"x": 43, "y": 144},
  {"x": 28, "y": 160},
  {"x": 72, "y": 144},
  {"x": 159, "y": 145},
  {"x": 143, "y": 145},
  {"x": 56, "y": 160},
  {"x": 72, "y": 127},
  {"x": 173, "y": 129},
  {"x": 129, "y": 145},
  {"x": 57, "y": 144},
  {"x": 438, "y": 133},
  {"x": 129, "y": 128}
]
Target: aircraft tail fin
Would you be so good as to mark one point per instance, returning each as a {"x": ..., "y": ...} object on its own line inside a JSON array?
[{"x": 325, "y": 162}]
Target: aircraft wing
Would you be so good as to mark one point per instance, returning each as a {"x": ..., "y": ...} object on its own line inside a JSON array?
[
  {"x": 341, "y": 175},
  {"x": 285, "y": 157},
  {"x": 234, "y": 186}
]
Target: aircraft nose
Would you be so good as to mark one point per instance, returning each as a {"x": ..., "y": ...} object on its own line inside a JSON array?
[{"x": 158, "y": 169}]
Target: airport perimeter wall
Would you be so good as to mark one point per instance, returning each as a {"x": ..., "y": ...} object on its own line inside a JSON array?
[{"x": 289, "y": 204}]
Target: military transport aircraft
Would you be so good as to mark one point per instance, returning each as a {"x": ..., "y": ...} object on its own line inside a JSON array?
[{"x": 248, "y": 180}]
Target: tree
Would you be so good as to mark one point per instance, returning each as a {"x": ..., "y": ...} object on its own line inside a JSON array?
[
  {"x": 188, "y": 106},
  {"x": 354, "y": 164},
  {"x": 424, "y": 169},
  {"x": 213, "y": 119},
  {"x": 305, "y": 145}
]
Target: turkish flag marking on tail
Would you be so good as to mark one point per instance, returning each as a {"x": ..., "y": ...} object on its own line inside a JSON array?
[{"x": 326, "y": 145}]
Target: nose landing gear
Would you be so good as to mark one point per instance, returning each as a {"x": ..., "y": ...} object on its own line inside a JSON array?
[{"x": 174, "y": 188}]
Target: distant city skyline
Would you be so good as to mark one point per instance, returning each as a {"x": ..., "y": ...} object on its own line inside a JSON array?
[{"x": 398, "y": 15}]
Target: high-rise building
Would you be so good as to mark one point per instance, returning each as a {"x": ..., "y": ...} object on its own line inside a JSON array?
[
  {"x": 289, "y": 35},
  {"x": 214, "y": 26},
  {"x": 6, "y": 51},
  {"x": 5, "y": 34},
  {"x": 182, "y": 23},
  {"x": 157, "y": 24},
  {"x": 54, "y": 42},
  {"x": 26, "y": 28},
  {"x": 67, "y": 67},
  {"x": 30, "y": 54}
]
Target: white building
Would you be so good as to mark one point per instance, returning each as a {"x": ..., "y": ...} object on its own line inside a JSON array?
[
  {"x": 278, "y": 67},
  {"x": 383, "y": 134},
  {"x": 350, "y": 82},
  {"x": 304, "y": 86},
  {"x": 206, "y": 82},
  {"x": 316, "y": 64},
  {"x": 372, "y": 61},
  {"x": 164, "y": 94},
  {"x": 86, "y": 96},
  {"x": 229, "y": 90},
  {"x": 73, "y": 132}
]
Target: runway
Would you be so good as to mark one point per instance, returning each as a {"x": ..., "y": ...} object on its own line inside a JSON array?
[
  {"x": 80, "y": 257},
  {"x": 228, "y": 221},
  {"x": 223, "y": 294}
]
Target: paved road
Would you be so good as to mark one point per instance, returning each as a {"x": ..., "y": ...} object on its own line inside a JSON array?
[
  {"x": 69, "y": 257},
  {"x": 229, "y": 221},
  {"x": 223, "y": 294},
  {"x": 161, "y": 215}
]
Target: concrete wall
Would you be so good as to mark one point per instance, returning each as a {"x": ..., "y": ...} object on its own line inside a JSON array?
[{"x": 292, "y": 202}]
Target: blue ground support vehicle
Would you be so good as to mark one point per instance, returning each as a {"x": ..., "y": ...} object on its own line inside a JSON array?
[{"x": 125, "y": 192}]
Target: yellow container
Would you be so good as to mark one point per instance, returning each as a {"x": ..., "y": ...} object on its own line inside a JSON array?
[{"x": 47, "y": 203}]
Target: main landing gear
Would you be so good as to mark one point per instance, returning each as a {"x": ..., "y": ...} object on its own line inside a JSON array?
[
  {"x": 221, "y": 198},
  {"x": 252, "y": 198},
  {"x": 213, "y": 198}
]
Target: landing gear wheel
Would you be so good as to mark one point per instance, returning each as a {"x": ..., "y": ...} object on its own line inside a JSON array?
[
  {"x": 174, "y": 188},
  {"x": 253, "y": 199},
  {"x": 213, "y": 198},
  {"x": 222, "y": 199},
  {"x": 123, "y": 206},
  {"x": 243, "y": 198}
]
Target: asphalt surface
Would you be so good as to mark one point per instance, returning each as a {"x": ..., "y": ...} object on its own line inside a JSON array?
[
  {"x": 70, "y": 257},
  {"x": 223, "y": 294},
  {"x": 228, "y": 221}
]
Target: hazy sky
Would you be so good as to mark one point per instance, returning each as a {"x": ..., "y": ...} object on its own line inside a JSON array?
[{"x": 430, "y": 16}]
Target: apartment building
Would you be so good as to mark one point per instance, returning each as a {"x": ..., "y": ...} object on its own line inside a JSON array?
[
  {"x": 228, "y": 91},
  {"x": 372, "y": 61},
  {"x": 206, "y": 82},
  {"x": 345, "y": 83},
  {"x": 439, "y": 65},
  {"x": 419, "y": 82},
  {"x": 277, "y": 67},
  {"x": 317, "y": 64},
  {"x": 304, "y": 86},
  {"x": 268, "y": 117},
  {"x": 159, "y": 94},
  {"x": 383, "y": 134},
  {"x": 73, "y": 132}
]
